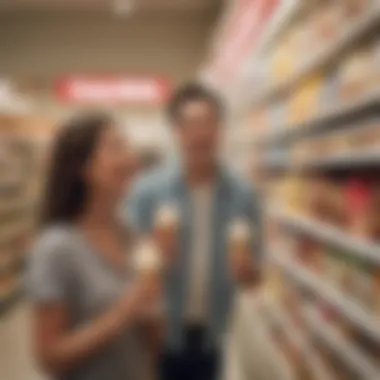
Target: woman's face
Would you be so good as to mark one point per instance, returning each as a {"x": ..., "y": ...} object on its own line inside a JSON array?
[{"x": 112, "y": 166}]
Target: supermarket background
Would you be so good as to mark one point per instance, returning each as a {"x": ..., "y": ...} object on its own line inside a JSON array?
[{"x": 301, "y": 79}]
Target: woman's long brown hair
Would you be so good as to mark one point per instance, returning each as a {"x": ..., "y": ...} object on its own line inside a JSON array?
[{"x": 66, "y": 188}]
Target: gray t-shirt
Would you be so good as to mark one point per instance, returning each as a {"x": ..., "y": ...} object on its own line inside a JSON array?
[{"x": 64, "y": 268}]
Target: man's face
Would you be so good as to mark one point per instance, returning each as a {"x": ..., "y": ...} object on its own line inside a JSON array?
[{"x": 198, "y": 132}]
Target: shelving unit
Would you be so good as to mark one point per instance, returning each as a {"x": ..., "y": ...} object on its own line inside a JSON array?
[
  {"x": 288, "y": 10},
  {"x": 285, "y": 134},
  {"x": 18, "y": 174},
  {"x": 348, "y": 353},
  {"x": 331, "y": 295},
  {"x": 313, "y": 360},
  {"x": 313, "y": 122},
  {"x": 328, "y": 234},
  {"x": 319, "y": 60},
  {"x": 342, "y": 161}
]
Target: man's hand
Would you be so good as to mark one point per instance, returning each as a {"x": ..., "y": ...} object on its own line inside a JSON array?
[
  {"x": 242, "y": 267},
  {"x": 166, "y": 238}
]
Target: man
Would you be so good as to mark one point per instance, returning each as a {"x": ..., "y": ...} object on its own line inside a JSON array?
[{"x": 201, "y": 277}]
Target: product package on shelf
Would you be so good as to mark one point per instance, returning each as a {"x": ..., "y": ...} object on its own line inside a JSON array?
[
  {"x": 18, "y": 174},
  {"x": 355, "y": 74},
  {"x": 340, "y": 283},
  {"x": 283, "y": 62},
  {"x": 304, "y": 101}
]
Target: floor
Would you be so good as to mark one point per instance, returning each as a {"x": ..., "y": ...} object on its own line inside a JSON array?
[
  {"x": 15, "y": 349},
  {"x": 16, "y": 357}
]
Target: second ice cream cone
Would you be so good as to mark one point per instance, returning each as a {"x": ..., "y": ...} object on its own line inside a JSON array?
[{"x": 166, "y": 228}]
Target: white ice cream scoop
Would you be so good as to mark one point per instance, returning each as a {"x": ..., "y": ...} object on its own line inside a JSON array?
[
  {"x": 147, "y": 258},
  {"x": 239, "y": 230},
  {"x": 167, "y": 216}
]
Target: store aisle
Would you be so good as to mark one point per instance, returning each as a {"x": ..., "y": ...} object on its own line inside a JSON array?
[{"x": 15, "y": 356}]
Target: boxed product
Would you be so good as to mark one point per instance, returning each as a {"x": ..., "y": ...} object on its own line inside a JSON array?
[
  {"x": 355, "y": 8},
  {"x": 305, "y": 99},
  {"x": 363, "y": 137},
  {"x": 356, "y": 74},
  {"x": 327, "y": 20},
  {"x": 284, "y": 60}
]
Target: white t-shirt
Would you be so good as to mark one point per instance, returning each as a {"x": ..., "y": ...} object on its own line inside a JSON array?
[{"x": 202, "y": 199}]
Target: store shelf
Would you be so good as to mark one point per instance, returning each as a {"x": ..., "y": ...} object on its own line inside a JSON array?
[
  {"x": 331, "y": 295},
  {"x": 344, "y": 110},
  {"x": 328, "y": 234},
  {"x": 356, "y": 160},
  {"x": 12, "y": 231},
  {"x": 286, "y": 13},
  {"x": 364, "y": 25},
  {"x": 10, "y": 188},
  {"x": 351, "y": 356},
  {"x": 7, "y": 302},
  {"x": 16, "y": 205},
  {"x": 300, "y": 341},
  {"x": 363, "y": 159}
]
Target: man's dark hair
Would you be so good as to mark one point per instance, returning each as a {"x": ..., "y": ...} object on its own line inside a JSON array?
[
  {"x": 193, "y": 92},
  {"x": 66, "y": 188}
]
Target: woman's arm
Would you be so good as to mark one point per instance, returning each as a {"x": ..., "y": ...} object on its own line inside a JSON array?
[
  {"x": 59, "y": 350},
  {"x": 152, "y": 329}
]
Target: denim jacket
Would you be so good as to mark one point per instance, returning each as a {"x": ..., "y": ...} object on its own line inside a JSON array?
[{"x": 231, "y": 199}]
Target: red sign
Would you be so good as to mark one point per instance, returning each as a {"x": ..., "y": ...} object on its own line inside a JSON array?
[{"x": 113, "y": 90}]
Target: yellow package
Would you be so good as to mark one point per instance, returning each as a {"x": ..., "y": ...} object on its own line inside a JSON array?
[
  {"x": 304, "y": 102},
  {"x": 292, "y": 194},
  {"x": 356, "y": 74},
  {"x": 284, "y": 63}
]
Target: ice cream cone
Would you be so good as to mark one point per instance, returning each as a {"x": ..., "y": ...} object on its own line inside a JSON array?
[
  {"x": 148, "y": 261},
  {"x": 239, "y": 234},
  {"x": 166, "y": 228},
  {"x": 167, "y": 217}
]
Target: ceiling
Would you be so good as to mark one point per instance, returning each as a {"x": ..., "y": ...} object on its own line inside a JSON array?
[{"x": 145, "y": 5}]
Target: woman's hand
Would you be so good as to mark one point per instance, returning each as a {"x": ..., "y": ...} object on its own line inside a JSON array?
[
  {"x": 136, "y": 301},
  {"x": 60, "y": 348}
]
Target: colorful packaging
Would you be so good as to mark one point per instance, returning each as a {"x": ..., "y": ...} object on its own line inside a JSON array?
[
  {"x": 304, "y": 102},
  {"x": 356, "y": 74},
  {"x": 284, "y": 61}
]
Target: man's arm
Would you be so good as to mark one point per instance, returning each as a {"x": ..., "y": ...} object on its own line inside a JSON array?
[
  {"x": 140, "y": 211},
  {"x": 247, "y": 267},
  {"x": 254, "y": 215}
]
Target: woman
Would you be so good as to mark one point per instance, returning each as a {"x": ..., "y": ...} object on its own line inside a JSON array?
[{"x": 87, "y": 305}]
